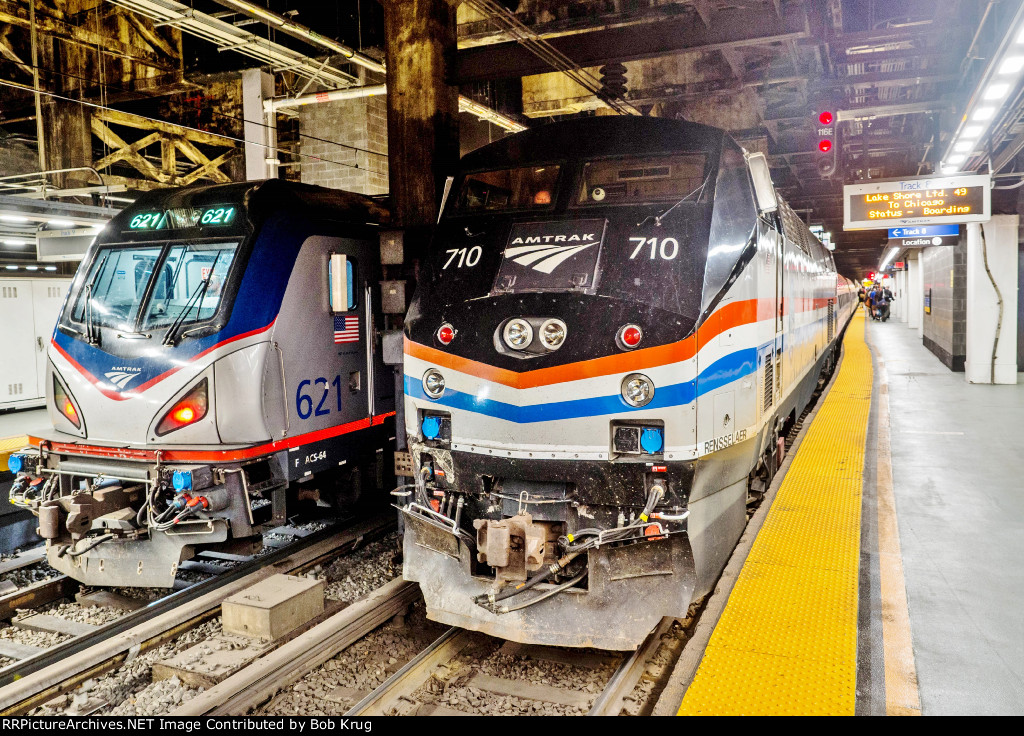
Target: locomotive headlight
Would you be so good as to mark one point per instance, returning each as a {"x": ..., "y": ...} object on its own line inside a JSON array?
[
  {"x": 518, "y": 334},
  {"x": 433, "y": 383},
  {"x": 552, "y": 333},
  {"x": 637, "y": 389}
]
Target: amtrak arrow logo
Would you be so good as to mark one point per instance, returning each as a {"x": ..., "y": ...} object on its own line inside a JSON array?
[
  {"x": 120, "y": 378},
  {"x": 545, "y": 258}
]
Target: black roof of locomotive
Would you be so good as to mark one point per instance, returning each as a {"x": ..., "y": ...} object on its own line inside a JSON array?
[
  {"x": 260, "y": 197},
  {"x": 593, "y": 138}
]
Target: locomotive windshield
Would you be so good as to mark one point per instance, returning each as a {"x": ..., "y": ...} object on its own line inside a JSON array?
[
  {"x": 637, "y": 180},
  {"x": 140, "y": 287},
  {"x": 525, "y": 188}
]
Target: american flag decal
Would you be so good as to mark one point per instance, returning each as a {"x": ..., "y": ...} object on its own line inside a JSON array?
[{"x": 346, "y": 329}]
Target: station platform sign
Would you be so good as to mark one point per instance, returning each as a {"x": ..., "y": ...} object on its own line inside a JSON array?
[
  {"x": 921, "y": 201},
  {"x": 924, "y": 231}
]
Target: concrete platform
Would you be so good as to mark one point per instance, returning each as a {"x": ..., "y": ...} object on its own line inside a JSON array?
[{"x": 957, "y": 465}]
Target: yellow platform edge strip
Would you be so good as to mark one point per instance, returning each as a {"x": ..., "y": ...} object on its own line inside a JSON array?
[
  {"x": 786, "y": 643},
  {"x": 9, "y": 445}
]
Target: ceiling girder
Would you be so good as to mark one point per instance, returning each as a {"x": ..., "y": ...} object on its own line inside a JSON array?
[{"x": 732, "y": 28}]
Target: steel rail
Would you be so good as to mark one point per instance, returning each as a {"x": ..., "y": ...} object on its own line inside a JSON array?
[{"x": 31, "y": 681}]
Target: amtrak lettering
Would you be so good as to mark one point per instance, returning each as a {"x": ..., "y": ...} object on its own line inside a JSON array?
[{"x": 551, "y": 256}]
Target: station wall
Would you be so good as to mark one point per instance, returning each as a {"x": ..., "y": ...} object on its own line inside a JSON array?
[
  {"x": 945, "y": 279},
  {"x": 350, "y": 137}
]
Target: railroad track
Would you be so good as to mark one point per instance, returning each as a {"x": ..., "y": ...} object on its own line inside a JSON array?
[
  {"x": 455, "y": 661},
  {"x": 33, "y": 681},
  {"x": 452, "y": 658}
]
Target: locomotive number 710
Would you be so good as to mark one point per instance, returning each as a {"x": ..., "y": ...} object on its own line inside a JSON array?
[{"x": 666, "y": 248}]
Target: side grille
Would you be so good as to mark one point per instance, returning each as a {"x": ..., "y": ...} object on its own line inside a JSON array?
[
  {"x": 769, "y": 383},
  {"x": 831, "y": 320}
]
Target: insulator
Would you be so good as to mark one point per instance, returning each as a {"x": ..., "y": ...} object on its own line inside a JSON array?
[{"x": 613, "y": 79}]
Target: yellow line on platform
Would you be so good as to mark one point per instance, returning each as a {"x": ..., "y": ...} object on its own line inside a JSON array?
[
  {"x": 786, "y": 643},
  {"x": 901, "y": 693},
  {"x": 9, "y": 445}
]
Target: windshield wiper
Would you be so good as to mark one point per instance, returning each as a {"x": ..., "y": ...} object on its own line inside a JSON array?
[
  {"x": 172, "y": 331},
  {"x": 659, "y": 218},
  {"x": 92, "y": 333}
]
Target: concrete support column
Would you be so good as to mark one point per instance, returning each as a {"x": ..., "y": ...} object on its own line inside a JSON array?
[
  {"x": 423, "y": 137},
  {"x": 915, "y": 293},
  {"x": 260, "y": 131},
  {"x": 991, "y": 280}
]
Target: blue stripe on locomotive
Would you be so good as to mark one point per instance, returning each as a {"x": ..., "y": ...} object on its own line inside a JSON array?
[{"x": 720, "y": 373}]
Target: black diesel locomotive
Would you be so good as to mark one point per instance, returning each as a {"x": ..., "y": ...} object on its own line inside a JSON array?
[{"x": 616, "y": 320}]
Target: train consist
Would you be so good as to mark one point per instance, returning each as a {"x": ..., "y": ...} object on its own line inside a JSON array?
[
  {"x": 616, "y": 323},
  {"x": 216, "y": 362}
]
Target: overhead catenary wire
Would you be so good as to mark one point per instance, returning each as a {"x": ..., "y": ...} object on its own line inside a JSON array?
[{"x": 545, "y": 51}]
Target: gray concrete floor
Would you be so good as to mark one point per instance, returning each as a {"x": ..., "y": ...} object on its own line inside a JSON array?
[
  {"x": 13, "y": 423},
  {"x": 958, "y": 466}
]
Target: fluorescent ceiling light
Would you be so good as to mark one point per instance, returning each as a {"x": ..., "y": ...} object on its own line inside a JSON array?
[
  {"x": 983, "y": 113},
  {"x": 31, "y": 268},
  {"x": 1020, "y": 37},
  {"x": 15, "y": 241},
  {"x": 60, "y": 223},
  {"x": 50, "y": 268},
  {"x": 13, "y": 218},
  {"x": 946, "y": 169},
  {"x": 888, "y": 257},
  {"x": 956, "y": 159},
  {"x": 996, "y": 92},
  {"x": 11, "y": 268},
  {"x": 973, "y": 131},
  {"x": 964, "y": 146},
  {"x": 1011, "y": 65}
]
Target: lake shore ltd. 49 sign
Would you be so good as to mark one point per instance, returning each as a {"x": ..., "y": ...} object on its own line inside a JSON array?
[{"x": 931, "y": 200}]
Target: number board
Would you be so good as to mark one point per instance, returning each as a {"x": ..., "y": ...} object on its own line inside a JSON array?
[
  {"x": 183, "y": 217},
  {"x": 921, "y": 201}
]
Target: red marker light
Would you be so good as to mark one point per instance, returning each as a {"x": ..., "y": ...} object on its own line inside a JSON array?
[
  {"x": 630, "y": 336},
  {"x": 189, "y": 410},
  {"x": 826, "y": 118},
  {"x": 64, "y": 405},
  {"x": 446, "y": 334},
  {"x": 184, "y": 414},
  {"x": 825, "y": 146}
]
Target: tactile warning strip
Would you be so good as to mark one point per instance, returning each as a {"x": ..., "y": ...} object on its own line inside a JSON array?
[
  {"x": 9, "y": 445},
  {"x": 786, "y": 643}
]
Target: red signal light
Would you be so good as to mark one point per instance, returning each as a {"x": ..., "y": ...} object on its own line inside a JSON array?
[
  {"x": 825, "y": 146},
  {"x": 826, "y": 118}
]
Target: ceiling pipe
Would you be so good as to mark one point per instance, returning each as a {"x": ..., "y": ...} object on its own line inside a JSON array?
[
  {"x": 303, "y": 32},
  {"x": 292, "y": 28},
  {"x": 349, "y": 93}
]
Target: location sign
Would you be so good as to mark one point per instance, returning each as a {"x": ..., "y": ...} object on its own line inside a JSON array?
[{"x": 897, "y": 204}]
